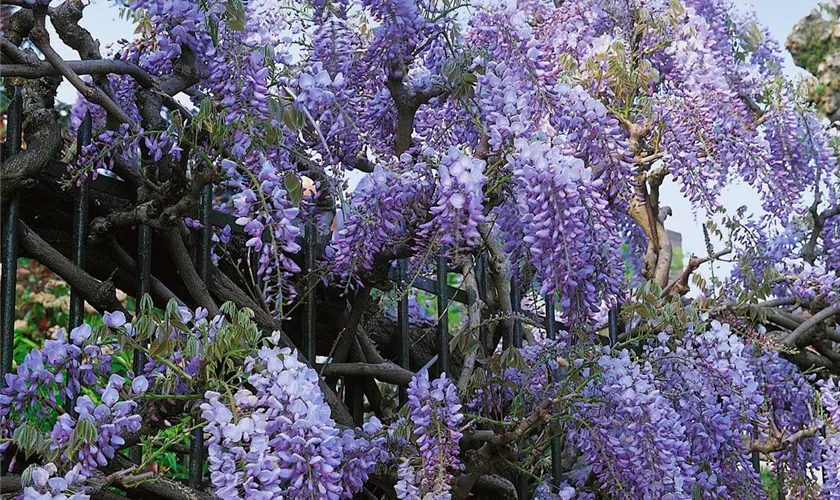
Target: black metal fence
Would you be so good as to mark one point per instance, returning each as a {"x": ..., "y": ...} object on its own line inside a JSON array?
[{"x": 439, "y": 288}]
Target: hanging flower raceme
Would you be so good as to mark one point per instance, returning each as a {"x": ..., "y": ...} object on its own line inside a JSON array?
[
  {"x": 631, "y": 422},
  {"x": 432, "y": 452},
  {"x": 50, "y": 379},
  {"x": 458, "y": 210},
  {"x": 569, "y": 236},
  {"x": 403, "y": 28},
  {"x": 712, "y": 387},
  {"x": 276, "y": 438},
  {"x": 385, "y": 207}
]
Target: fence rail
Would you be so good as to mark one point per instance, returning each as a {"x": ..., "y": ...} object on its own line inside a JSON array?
[{"x": 438, "y": 287}]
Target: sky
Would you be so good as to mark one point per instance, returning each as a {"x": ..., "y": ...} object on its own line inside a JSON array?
[{"x": 103, "y": 21}]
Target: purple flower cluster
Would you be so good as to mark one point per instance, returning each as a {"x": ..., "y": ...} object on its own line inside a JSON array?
[
  {"x": 569, "y": 235},
  {"x": 276, "y": 438},
  {"x": 49, "y": 376},
  {"x": 434, "y": 416},
  {"x": 402, "y": 29},
  {"x": 707, "y": 375},
  {"x": 39, "y": 390},
  {"x": 384, "y": 207},
  {"x": 46, "y": 484},
  {"x": 458, "y": 207},
  {"x": 110, "y": 420},
  {"x": 635, "y": 440},
  {"x": 831, "y": 442},
  {"x": 596, "y": 137},
  {"x": 789, "y": 407},
  {"x": 812, "y": 282},
  {"x": 266, "y": 214}
]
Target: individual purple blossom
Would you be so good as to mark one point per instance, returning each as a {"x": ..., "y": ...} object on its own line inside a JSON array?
[{"x": 114, "y": 319}]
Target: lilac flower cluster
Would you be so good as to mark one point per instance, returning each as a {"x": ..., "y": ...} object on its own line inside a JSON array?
[
  {"x": 635, "y": 439},
  {"x": 458, "y": 207},
  {"x": 49, "y": 376},
  {"x": 717, "y": 398},
  {"x": 40, "y": 389},
  {"x": 384, "y": 208},
  {"x": 281, "y": 440},
  {"x": 812, "y": 281},
  {"x": 687, "y": 406},
  {"x": 434, "y": 416},
  {"x": 234, "y": 76},
  {"x": 112, "y": 419},
  {"x": 830, "y": 443},
  {"x": 790, "y": 401},
  {"x": 266, "y": 214},
  {"x": 402, "y": 29},
  {"x": 46, "y": 484},
  {"x": 569, "y": 234},
  {"x": 596, "y": 137}
]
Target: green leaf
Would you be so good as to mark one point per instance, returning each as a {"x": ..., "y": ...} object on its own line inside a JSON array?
[
  {"x": 235, "y": 15},
  {"x": 294, "y": 187},
  {"x": 29, "y": 438}
]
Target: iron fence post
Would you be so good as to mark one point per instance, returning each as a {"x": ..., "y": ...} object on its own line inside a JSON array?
[
  {"x": 144, "y": 282},
  {"x": 443, "y": 313},
  {"x": 309, "y": 347},
  {"x": 196, "y": 469},
  {"x": 8, "y": 279},
  {"x": 402, "y": 320},
  {"x": 551, "y": 333},
  {"x": 80, "y": 226}
]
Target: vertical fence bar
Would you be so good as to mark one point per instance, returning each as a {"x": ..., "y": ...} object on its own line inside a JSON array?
[
  {"x": 354, "y": 399},
  {"x": 443, "y": 312},
  {"x": 309, "y": 305},
  {"x": 515, "y": 307},
  {"x": 780, "y": 484},
  {"x": 481, "y": 280},
  {"x": 551, "y": 333},
  {"x": 550, "y": 324},
  {"x": 8, "y": 279},
  {"x": 80, "y": 226},
  {"x": 613, "y": 325},
  {"x": 144, "y": 284},
  {"x": 196, "y": 469},
  {"x": 402, "y": 323}
]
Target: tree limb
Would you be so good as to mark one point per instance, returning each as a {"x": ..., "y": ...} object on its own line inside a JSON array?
[
  {"x": 797, "y": 336},
  {"x": 41, "y": 38},
  {"x": 102, "y": 295},
  {"x": 385, "y": 372},
  {"x": 777, "y": 443},
  {"x": 87, "y": 67},
  {"x": 186, "y": 269},
  {"x": 680, "y": 285}
]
